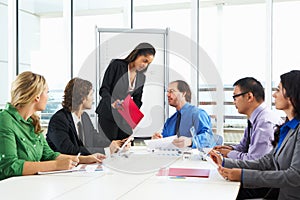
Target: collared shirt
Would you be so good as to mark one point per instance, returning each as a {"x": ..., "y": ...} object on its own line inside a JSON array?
[
  {"x": 263, "y": 122},
  {"x": 76, "y": 120},
  {"x": 191, "y": 116},
  {"x": 292, "y": 124},
  {"x": 19, "y": 143}
]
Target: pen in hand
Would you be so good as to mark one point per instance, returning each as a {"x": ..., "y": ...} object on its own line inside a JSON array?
[
  {"x": 118, "y": 104},
  {"x": 75, "y": 164},
  {"x": 78, "y": 155},
  {"x": 129, "y": 139}
]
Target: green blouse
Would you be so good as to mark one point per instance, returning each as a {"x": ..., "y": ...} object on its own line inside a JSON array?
[{"x": 19, "y": 143}]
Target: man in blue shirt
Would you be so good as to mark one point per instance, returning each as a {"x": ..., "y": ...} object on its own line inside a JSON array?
[{"x": 187, "y": 116}]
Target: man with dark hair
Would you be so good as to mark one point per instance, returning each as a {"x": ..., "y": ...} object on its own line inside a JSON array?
[
  {"x": 187, "y": 116},
  {"x": 70, "y": 129},
  {"x": 248, "y": 97}
]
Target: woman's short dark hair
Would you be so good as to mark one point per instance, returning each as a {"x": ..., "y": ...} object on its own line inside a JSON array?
[
  {"x": 290, "y": 82},
  {"x": 250, "y": 84},
  {"x": 75, "y": 92},
  {"x": 141, "y": 49},
  {"x": 184, "y": 87}
]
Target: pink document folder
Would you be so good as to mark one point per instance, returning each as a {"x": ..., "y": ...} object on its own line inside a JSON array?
[
  {"x": 185, "y": 172},
  {"x": 130, "y": 112}
]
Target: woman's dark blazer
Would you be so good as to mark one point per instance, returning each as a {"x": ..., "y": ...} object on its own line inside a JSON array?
[
  {"x": 62, "y": 135},
  {"x": 278, "y": 169},
  {"x": 115, "y": 86}
]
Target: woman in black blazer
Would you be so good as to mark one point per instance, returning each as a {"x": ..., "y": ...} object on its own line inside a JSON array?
[
  {"x": 122, "y": 77},
  {"x": 71, "y": 130}
]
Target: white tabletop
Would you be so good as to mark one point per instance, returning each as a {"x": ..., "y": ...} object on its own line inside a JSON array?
[{"x": 115, "y": 184}]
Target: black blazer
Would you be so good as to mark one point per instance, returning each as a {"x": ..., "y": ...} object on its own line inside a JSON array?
[
  {"x": 62, "y": 135},
  {"x": 115, "y": 86}
]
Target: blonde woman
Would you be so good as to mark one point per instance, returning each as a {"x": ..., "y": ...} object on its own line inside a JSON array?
[{"x": 23, "y": 148}]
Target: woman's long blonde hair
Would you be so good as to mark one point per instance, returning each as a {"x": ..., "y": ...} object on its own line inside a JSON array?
[{"x": 24, "y": 90}]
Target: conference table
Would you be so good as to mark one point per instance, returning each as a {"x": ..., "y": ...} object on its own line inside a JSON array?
[{"x": 117, "y": 183}]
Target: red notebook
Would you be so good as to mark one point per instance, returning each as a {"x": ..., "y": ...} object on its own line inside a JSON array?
[
  {"x": 185, "y": 172},
  {"x": 131, "y": 113}
]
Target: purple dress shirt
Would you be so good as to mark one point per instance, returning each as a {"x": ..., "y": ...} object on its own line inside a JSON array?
[{"x": 263, "y": 122}]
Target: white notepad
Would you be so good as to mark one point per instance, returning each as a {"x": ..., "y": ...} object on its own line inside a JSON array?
[{"x": 79, "y": 168}]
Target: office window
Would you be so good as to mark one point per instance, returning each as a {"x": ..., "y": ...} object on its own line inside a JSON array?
[
  {"x": 234, "y": 38},
  {"x": 43, "y": 47},
  {"x": 178, "y": 17},
  {"x": 208, "y": 41},
  {"x": 243, "y": 50},
  {"x": 286, "y": 41},
  {"x": 164, "y": 14},
  {"x": 4, "y": 86},
  {"x": 88, "y": 16},
  {"x": 175, "y": 15}
]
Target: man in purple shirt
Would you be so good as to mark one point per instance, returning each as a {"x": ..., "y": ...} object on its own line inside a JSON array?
[{"x": 248, "y": 97}]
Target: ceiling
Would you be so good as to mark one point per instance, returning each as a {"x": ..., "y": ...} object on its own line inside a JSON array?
[{"x": 54, "y": 7}]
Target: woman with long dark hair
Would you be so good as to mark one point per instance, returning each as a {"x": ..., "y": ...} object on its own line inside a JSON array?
[{"x": 122, "y": 77}]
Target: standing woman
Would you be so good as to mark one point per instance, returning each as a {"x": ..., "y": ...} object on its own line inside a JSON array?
[
  {"x": 123, "y": 77},
  {"x": 23, "y": 147},
  {"x": 277, "y": 174}
]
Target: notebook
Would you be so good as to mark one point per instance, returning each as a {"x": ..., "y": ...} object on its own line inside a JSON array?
[
  {"x": 79, "y": 168},
  {"x": 185, "y": 172},
  {"x": 130, "y": 112}
]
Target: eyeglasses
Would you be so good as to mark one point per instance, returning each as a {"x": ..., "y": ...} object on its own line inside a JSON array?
[
  {"x": 171, "y": 91},
  {"x": 237, "y": 95}
]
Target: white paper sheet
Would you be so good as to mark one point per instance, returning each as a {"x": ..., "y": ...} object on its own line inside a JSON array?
[
  {"x": 79, "y": 168},
  {"x": 162, "y": 143}
]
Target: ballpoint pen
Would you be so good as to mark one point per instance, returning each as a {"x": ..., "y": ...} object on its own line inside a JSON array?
[
  {"x": 129, "y": 139},
  {"x": 76, "y": 163},
  {"x": 119, "y": 104}
]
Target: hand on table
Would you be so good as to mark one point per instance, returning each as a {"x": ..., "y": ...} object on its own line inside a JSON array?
[
  {"x": 233, "y": 174},
  {"x": 156, "y": 136},
  {"x": 182, "y": 142}
]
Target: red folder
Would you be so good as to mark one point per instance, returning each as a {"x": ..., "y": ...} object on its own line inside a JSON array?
[
  {"x": 185, "y": 172},
  {"x": 130, "y": 112}
]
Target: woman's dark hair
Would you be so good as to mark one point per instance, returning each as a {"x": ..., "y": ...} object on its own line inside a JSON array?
[
  {"x": 141, "y": 49},
  {"x": 75, "y": 92},
  {"x": 250, "y": 84},
  {"x": 184, "y": 87},
  {"x": 290, "y": 82},
  {"x": 277, "y": 132}
]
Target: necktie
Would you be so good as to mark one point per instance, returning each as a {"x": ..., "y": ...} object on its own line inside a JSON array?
[
  {"x": 248, "y": 136},
  {"x": 177, "y": 124},
  {"x": 80, "y": 132}
]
